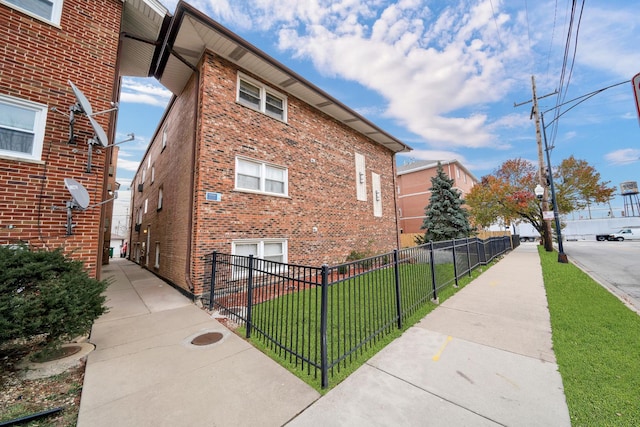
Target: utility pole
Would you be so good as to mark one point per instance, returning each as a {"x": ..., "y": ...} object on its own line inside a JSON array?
[{"x": 547, "y": 239}]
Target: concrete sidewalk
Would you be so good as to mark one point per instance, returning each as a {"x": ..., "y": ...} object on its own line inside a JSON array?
[
  {"x": 145, "y": 371},
  {"x": 484, "y": 357}
]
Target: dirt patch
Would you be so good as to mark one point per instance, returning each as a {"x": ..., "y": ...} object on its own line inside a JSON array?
[{"x": 21, "y": 397}]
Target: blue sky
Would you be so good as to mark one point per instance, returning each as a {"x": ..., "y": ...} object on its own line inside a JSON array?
[{"x": 443, "y": 76}]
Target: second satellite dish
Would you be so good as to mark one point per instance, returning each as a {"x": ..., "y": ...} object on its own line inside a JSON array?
[
  {"x": 85, "y": 105},
  {"x": 79, "y": 194}
]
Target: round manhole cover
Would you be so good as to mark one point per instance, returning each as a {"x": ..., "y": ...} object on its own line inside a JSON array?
[{"x": 206, "y": 339}]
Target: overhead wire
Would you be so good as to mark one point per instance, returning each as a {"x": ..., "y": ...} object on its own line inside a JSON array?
[
  {"x": 565, "y": 79},
  {"x": 495, "y": 21},
  {"x": 553, "y": 32}
]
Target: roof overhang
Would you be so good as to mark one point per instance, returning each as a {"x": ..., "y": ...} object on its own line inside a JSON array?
[
  {"x": 191, "y": 33},
  {"x": 142, "y": 31}
]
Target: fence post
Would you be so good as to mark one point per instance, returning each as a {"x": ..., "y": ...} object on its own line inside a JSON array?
[
  {"x": 249, "y": 296},
  {"x": 214, "y": 258},
  {"x": 396, "y": 268},
  {"x": 455, "y": 264},
  {"x": 323, "y": 327},
  {"x": 468, "y": 257},
  {"x": 433, "y": 272}
]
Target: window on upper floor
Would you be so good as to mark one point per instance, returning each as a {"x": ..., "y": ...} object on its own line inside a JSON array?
[
  {"x": 160, "y": 198},
  {"x": 260, "y": 177},
  {"x": 165, "y": 137},
  {"x": 22, "y": 126},
  {"x": 47, "y": 10},
  {"x": 262, "y": 98}
]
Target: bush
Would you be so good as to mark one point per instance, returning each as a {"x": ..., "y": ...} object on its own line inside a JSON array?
[{"x": 48, "y": 294}]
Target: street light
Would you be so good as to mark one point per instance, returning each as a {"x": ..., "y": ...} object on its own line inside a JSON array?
[{"x": 539, "y": 192}]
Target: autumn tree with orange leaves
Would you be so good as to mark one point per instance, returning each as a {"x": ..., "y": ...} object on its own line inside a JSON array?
[{"x": 507, "y": 195}]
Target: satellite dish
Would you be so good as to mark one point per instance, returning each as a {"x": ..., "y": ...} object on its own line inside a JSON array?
[
  {"x": 78, "y": 193},
  {"x": 85, "y": 105},
  {"x": 101, "y": 136},
  {"x": 82, "y": 100}
]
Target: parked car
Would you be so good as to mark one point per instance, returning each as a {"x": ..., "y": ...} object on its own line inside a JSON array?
[{"x": 626, "y": 234}]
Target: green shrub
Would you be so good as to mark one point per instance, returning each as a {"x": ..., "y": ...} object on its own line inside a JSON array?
[{"x": 44, "y": 293}]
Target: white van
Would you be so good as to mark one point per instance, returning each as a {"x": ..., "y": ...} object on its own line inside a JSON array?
[{"x": 626, "y": 234}]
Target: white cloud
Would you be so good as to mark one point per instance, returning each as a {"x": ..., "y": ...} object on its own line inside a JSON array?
[
  {"x": 623, "y": 157},
  {"x": 604, "y": 42},
  {"x": 427, "y": 65},
  {"x": 434, "y": 155},
  {"x": 144, "y": 91},
  {"x": 443, "y": 69},
  {"x": 128, "y": 165}
]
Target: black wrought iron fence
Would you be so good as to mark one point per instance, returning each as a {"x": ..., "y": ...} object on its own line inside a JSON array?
[{"x": 320, "y": 318}]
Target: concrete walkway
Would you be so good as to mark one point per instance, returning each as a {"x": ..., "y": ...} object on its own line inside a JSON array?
[
  {"x": 484, "y": 357},
  {"x": 145, "y": 371}
]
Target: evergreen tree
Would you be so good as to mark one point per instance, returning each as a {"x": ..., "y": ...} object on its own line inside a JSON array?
[{"x": 446, "y": 218}]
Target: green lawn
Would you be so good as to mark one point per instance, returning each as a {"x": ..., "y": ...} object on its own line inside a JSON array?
[{"x": 596, "y": 339}]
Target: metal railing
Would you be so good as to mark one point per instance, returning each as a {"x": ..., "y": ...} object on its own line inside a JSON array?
[{"x": 320, "y": 318}]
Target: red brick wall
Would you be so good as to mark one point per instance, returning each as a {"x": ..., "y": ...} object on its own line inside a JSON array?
[
  {"x": 35, "y": 66},
  {"x": 319, "y": 154},
  {"x": 170, "y": 227}
]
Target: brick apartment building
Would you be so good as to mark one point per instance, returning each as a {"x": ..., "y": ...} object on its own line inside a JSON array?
[
  {"x": 251, "y": 158},
  {"x": 414, "y": 189},
  {"x": 46, "y": 44}
]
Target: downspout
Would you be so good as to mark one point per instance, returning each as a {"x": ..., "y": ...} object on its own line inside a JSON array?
[
  {"x": 115, "y": 96},
  {"x": 196, "y": 129},
  {"x": 395, "y": 201}
]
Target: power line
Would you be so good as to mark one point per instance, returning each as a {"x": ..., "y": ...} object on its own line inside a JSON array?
[
  {"x": 563, "y": 87},
  {"x": 493, "y": 14}
]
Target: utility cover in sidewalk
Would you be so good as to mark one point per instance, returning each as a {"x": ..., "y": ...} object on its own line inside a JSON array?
[{"x": 207, "y": 338}]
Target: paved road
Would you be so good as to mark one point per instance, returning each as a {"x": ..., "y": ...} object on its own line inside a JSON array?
[{"x": 614, "y": 264}]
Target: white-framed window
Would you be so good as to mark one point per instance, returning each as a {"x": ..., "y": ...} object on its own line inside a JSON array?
[
  {"x": 260, "y": 177},
  {"x": 144, "y": 175},
  {"x": 157, "y": 262},
  {"x": 139, "y": 216},
  {"x": 46, "y": 10},
  {"x": 361, "y": 178},
  {"x": 22, "y": 126},
  {"x": 153, "y": 173},
  {"x": 165, "y": 136},
  {"x": 160, "y": 198},
  {"x": 268, "y": 249},
  {"x": 254, "y": 94},
  {"x": 146, "y": 205}
]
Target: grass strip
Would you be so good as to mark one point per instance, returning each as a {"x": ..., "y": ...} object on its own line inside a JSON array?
[{"x": 596, "y": 339}]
